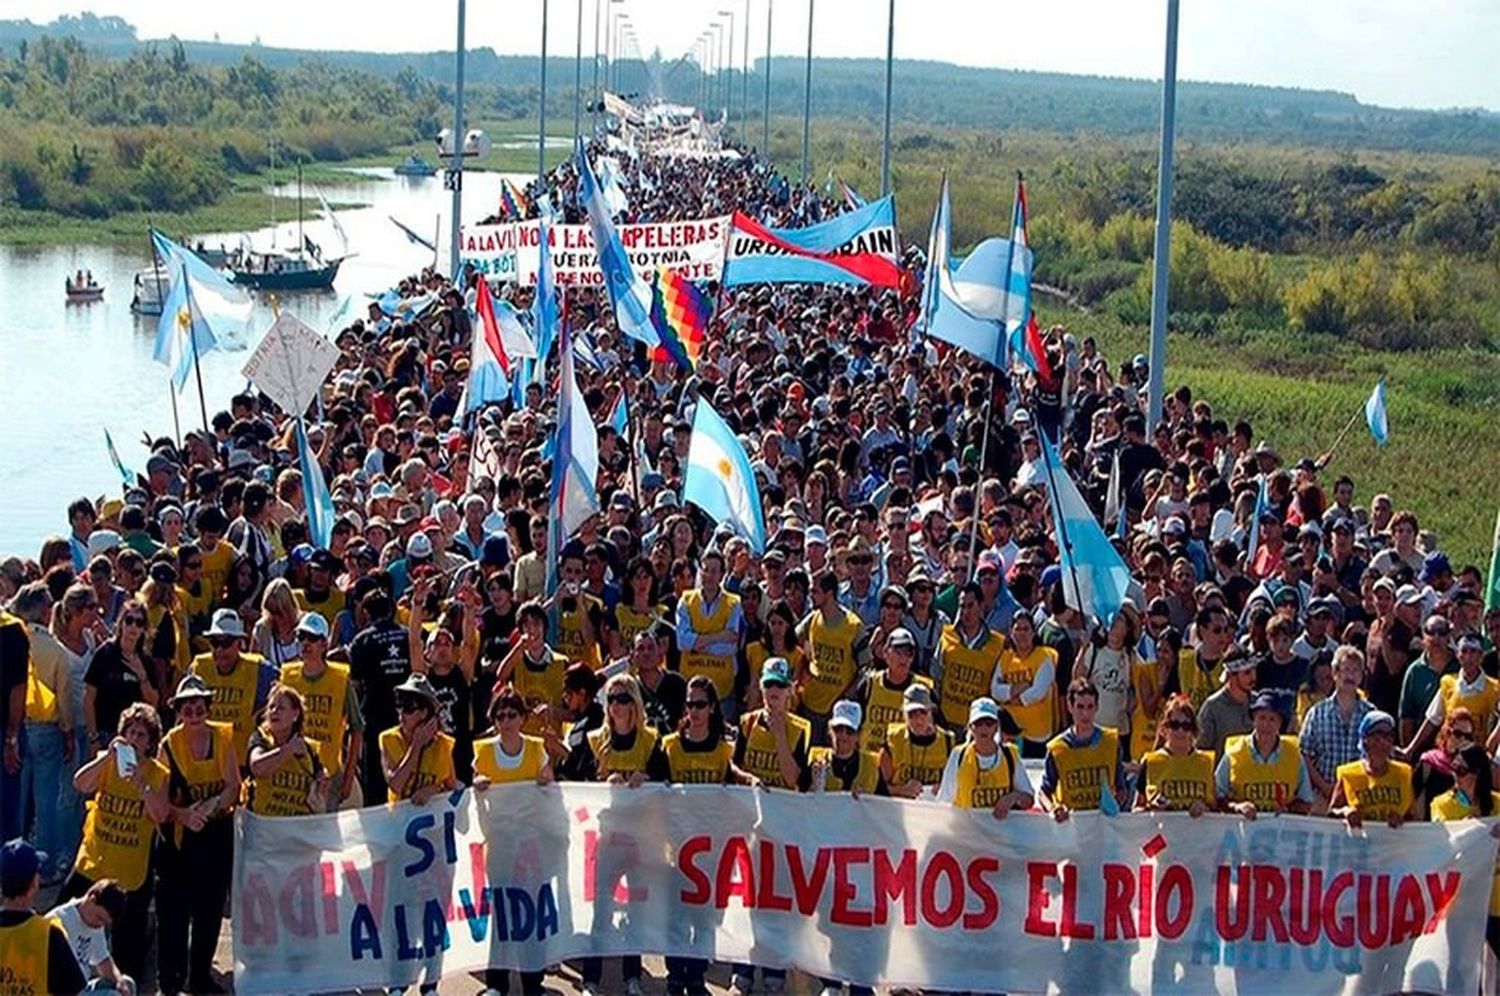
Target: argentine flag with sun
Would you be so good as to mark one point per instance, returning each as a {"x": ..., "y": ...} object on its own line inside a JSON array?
[{"x": 719, "y": 479}]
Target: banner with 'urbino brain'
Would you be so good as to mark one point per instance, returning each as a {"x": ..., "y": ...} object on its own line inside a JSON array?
[
  {"x": 868, "y": 890},
  {"x": 510, "y": 252}
]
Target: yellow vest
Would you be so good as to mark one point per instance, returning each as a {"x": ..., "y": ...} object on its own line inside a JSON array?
[
  {"x": 1446, "y": 807},
  {"x": 570, "y": 642},
  {"x": 1193, "y": 681},
  {"x": 1377, "y": 798},
  {"x": 1481, "y": 703},
  {"x": 487, "y": 763},
  {"x": 911, "y": 761},
  {"x": 234, "y": 695},
  {"x": 1081, "y": 771},
  {"x": 117, "y": 830},
  {"x": 329, "y": 608},
  {"x": 966, "y": 673},
  {"x": 718, "y": 668},
  {"x": 981, "y": 789},
  {"x": 832, "y": 666},
  {"x": 284, "y": 792},
  {"x": 42, "y": 694},
  {"x": 1180, "y": 779},
  {"x": 183, "y": 652},
  {"x": 200, "y": 778},
  {"x": 1035, "y": 719},
  {"x": 544, "y": 687},
  {"x": 697, "y": 767},
  {"x": 1142, "y": 723},
  {"x": 323, "y": 708},
  {"x": 884, "y": 710},
  {"x": 216, "y": 565},
  {"x": 41, "y": 701},
  {"x": 23, "y": 956},
  {"x": 760, "y": 746},
  {"x": 434, "y": 764},
  {"x": 1253, "y": 780},
  {"x": 633, "y": 623},
  {"x": 866, "y": 776},
  {"x": 628, "y": 762}
]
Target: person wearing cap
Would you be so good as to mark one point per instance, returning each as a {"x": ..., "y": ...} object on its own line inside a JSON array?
[
  {"x": 1176, "y": 776},
  {"x": 1026, "y": 683},
  {"x": 321, "y": 595},
  {"x": 195, "y": 861},
  {"x": 330, "y": 710},
  {"x": 1325, "y": 616},
  {"x": 1083, "y": 761},
  {"x": 34, "y": 949},
  {"x": 881, "y": 694},
  {"x": 985, "y": 771},
  {"x": 774, "y": 743},
  {"x": 127, "y": 803},
  {"x": 1374, "y": 787},
  {"x": 416, "y": 756},
  {"x": 1424, "y": 676},
  {"x": 923, "y": 620},
  {"x": 1226, "y": 713},
  {"x": 238, "y": 680},
  {"x": 838, "y": 650},
  {"x": 1263, "y": 771},
  {"x": 709, "y": 623},
  {"x": 1470, "y": 688},
  {"x": 846, "y": 766},
  {"x": 916, "y": 749},
  {"x": 967, "y": 658}
]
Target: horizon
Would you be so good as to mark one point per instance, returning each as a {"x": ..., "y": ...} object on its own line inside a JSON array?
[{"x": 1424, "y": 62}]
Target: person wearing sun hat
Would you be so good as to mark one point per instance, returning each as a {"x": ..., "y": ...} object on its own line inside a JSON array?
[
  {"x": 416, "y": 755},
  {"x": 1376, "y": 786},
  {"x": 985, "y": 771}
]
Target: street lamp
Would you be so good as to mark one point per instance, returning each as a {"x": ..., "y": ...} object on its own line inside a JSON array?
[
  {"x": 765, "y": 139},
  {"x": 885, "y": 148},
  {"x": 807, "y": 95},
  {"x": 729, "y": 79}
]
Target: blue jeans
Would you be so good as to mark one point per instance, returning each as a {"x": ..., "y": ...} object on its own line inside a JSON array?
[
  {"x": 43, "y": 772},
  {"x": 13, "y": 795}
]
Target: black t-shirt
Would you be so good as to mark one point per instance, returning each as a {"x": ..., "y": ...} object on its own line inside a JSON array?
[
  {"x": 455, "y": 712},
  {"x": 15, "y": 664},
  {"x": 846, "y": 769},
  {"x": 581, "y": 765},
  {"x": 116, "y": 687},
  {"x": 379, "y": 660},
  {"x": 63, "y": 973},
  {"x": 665, "y": 704}
]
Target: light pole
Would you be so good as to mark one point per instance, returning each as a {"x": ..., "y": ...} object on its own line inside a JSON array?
[
  {"x": 745, "y": 72},
  {"x": 765, "y": 137},
  {"x": 807, "y": 95},
  {"x": 1163, "y": 249},
  {"x": 541, "y": 117},
  {"x": 594, "y": 108},
  {"x": 890, "y": 52},
  {"x": 456, "y": 169},
  {"x": 729, "y": 62},
  {"x": 718, "y": 30},
  {"x": 622, "y": 21}
]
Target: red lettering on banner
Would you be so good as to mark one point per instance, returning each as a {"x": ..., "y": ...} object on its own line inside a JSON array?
[
  {"x": 807, "y": 887},
  {"x": 690, "y": 849},
  {"x": 942, "y": 865},
  {"x": 1442, "y": 889},
  {"x": 1232, "y": 918},
  {"x": 1406, "y": 921},
  {"x": 893, "y": 883},
  {"x": 989, "y": 901},
  {"x": 1178, "y": 883},
  {"x": 1304, "y": 909},
  {"x": 844, "y": 890},
  {"x": 1146, "y": 885},
  {"x": 767, "y": 898},
  {"x": 1119, "y": 892},
  {"x": 1375, "y": 921},
  {"x": 1269, "y": 895},
  {"x": 330, "y": 897},
  {"x": 295, "y": 901},
  {"x": 375, "y": 898},
  {"x": 1038, "y": 899},
  {"x": 1339, "y": 930},
  {"x": 1071, "y": 925},
  {"x": 736, "y": 876}
]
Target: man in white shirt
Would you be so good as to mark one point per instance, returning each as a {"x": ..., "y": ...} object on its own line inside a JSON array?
[{"x": 85, "y": 921}]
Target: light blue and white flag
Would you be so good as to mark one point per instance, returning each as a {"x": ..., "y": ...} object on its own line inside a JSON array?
[
  {"x": 575, "y": 461},
  {"x": 1375, "y": 417},
  {"x": 1094, "y": 577},
  {"x": 944, "y": 316},
  {"x": 315, "y": 496},
  {"x": 620, "y": 417},
  {"x": 201, "y": 307},
  {"x": 1262, "y": 506},
  {"x": 114, "y": 457},
  {"x": 546, "y": 312},
  {"x": 718, "y": 478},
  {"x": 629, "y": 295}
]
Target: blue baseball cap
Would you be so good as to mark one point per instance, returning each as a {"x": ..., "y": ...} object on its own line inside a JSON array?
[{"x": 19, "y": 863}]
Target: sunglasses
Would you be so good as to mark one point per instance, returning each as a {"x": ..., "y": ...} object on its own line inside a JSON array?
[
  {"x": 308, "y": 638},
  {"x": 220, "y": 642},
  {"x": 193, "y": 565},
  {"x": 412, "y": 705},
  {"x": 696, "y": 704},
  {"x": 194, "y": 708},
  {"x": 1180, "y": 724},
  {"x": 132, "y": 620},
  {"x": 1461, "y": 734},
  {"x": 983, "y": 722},
  {"x": 504, "y": 714},
  {"x": 620, "y": 698}
]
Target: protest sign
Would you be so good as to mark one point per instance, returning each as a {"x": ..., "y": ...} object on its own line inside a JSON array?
[
  {"x": 291, "y": 363},
  {"x": 509, "y": 252},
  {"x": 874, "y": 891},
  {"x": 857, "y": 247}
]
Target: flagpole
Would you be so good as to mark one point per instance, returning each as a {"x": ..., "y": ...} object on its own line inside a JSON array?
[
  {"x": 1064, "y": 544},
  {"x": 1327, "y": 456},
  {"x": 187, "y": 289},
  {"x": 635, "y": 465},
  {"x": 1162, "y": 252}
]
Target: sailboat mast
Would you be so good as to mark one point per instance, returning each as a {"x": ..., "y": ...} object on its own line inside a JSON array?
[
  {"x": 271, "y": 139},
  {"x": 301, "y": 239}
]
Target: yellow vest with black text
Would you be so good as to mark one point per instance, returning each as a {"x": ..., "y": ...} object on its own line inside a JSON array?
[
  {"x": 1180, "y": 779},
  {"x": 633, "y": 623},
  {"x": 718, "y": 668},
  {"x": 611, "y": 761},
  {"x": 1481, "y": 703},
  {"x": 434, "y": 764},
  {"x": 324, "y": 716},
  {"x": 866, "y": 776},
  {"x": 1253, "y": 780},
  {"x": 539, "y": 687},
  {"x": 1035, "y": 719},
  {"x": 760, "y": 746},
  {"x": 234, "y": 695},
  {"x": 967, "y": 672},
  {"x": 201, "y": 778},
  {"x": 922, "y": 763},
  {"x": 285, "y": 791},
  {"x": 24, "y": 953},
  {"x": 570, "y": 641},
  {"x": 1193, "y": 681},
  {"x": 697, "y": 767},
  {"x": 1377, "y": 797},
  {"x": 117, "y": 830},
  {"x": 978, "y": 788},
  {"x": 1082, "y": 771},
  {"x": 831, "y": 662},
  {"x": 883, "y": 710},
  {"x": 486, "y": 763}
]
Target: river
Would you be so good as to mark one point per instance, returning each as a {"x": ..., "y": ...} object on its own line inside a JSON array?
[{"x": 73, "y": 370}]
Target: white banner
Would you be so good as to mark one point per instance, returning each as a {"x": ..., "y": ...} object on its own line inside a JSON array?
[
  {"x": 875, "y": 891},
  {"x": 508, "y": 252},
  {"x": 291, "y": 363}
]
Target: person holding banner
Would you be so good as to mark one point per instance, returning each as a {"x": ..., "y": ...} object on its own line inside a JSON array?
[
  {"x": 1473, "y": 797},
  {"x": 1374, "y": 787},
  {"x": 985, "y": 772},
  {"x": 196, "y": 861},
  {"x": 1083, "y": 761},
  {"x": 416, "y": 756},
  {"x": 1177, "y": 776},
  {"x": 1263, "y": 770},
  {"x": 916, "y": 749}
]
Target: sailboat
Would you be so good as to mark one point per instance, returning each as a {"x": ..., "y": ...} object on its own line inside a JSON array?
[{"x": 303, "y": 268}]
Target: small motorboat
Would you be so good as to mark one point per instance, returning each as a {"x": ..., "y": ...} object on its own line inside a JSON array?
[
  {"x": 150, "y": 286},
  {"x": 82, "y": 288},
  {"x": 415, "y": 165}
]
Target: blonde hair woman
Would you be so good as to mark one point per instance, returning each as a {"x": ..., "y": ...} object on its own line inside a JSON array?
[{"x": 275, "y": 634}]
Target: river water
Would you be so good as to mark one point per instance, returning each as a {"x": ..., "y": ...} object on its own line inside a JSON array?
[{"x": 71, "y": 371}]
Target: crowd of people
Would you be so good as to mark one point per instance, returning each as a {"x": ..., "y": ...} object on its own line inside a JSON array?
[{"x": 184, "y": 649}]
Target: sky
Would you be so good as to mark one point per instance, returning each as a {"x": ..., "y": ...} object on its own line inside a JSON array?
[{"x": 1398, "y": 53}]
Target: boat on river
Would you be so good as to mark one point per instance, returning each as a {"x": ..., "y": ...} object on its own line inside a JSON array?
[
  {"x": 414, "y": 165},
  {"x": 299, "y": 269},
  {"x": 82, "y": 288},
  {"x": 148, "y": 289}
]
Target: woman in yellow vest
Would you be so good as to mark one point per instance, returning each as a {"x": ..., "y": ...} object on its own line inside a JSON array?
[
  {"x": 127, "y": 787},
  {"x": 204, "y": 783},
  {"x": 709, "y": 620},
  {"x": 1083, "y": 761},
  {"x": 331, "y": 714},
  {"x": 638, "y": 611},
  {"x": 624, "y": 751},
  {"x": 534, "y": 669},
  {"x": 778, "y": 639},
  {"x": 1375, "y": 787},
  {"x": 1177, "y": 776},
  {"x": 416, "y": 755},
  {"x": 1149, "y": 680},
  {"x": 773, "y": 743},
  {"x": 1025, "y": 683},
  {"x": 698, "y": 753},
  {"x": 1263, "y": 771},
  {"x": 916, "y": 749},
  {"x": 287, "y": 777},
  {"x": 510, "y": 756},
  {"x": 985, "y": 771},
  {"x": 1472, "y": 797},
  {"x": 844, "y": 767}
]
